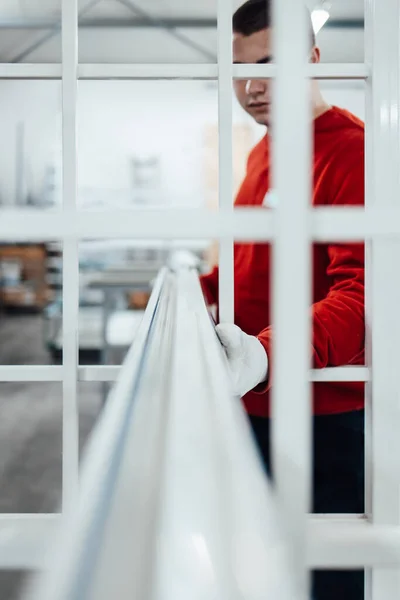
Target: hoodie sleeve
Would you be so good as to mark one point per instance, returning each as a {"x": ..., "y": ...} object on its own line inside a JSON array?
[
  {"x": 338, "y": 325},
  {"x": 209, "y": 282}
]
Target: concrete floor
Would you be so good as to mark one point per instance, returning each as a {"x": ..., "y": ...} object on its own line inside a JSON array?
[{"x": 31, "y": 431}]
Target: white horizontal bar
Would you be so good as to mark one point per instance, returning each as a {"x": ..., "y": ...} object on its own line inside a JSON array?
[
  {"x": 340, "y": 374},
  {"x": 353, "y": 223},
  {"x": 326, "y": 224},
  {"x": 48, "y": 373},
  {"x": 150, "y": 224},
  {"x": 177, "y": 71},
  {"x": 150, "y": 71},
  {"x": 99, "y": 373},
  {"x": 333, "y": 541},
  {"x": 315, "y": 71},
  {"x": 25, "y": 540},
  {"x": 351, "y": 543},
  {"x": 30, "y": 373},
  {"x": 30, "y": 71},
  {"x": 338, "y": 71}
]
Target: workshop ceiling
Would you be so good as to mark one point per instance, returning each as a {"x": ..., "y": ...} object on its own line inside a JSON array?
[{"x": 146, "y": 31}]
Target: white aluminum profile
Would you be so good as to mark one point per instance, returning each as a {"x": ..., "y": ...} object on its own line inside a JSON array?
[
  {"x": 350, "y": 71},
  {"x": 25, "y": 540},
  {"x": 382, "y": 46},
  {"x": 369, "y": 203},
  {"x": 333, "y": 542},
  {"x": 211, "y": 71},
  {"x": 100, "y": 463},
  {"x": 174, "y": 497},
  {"x": 30, "y": 71},
  {"x": 291, "y": 406},
  {"x": 340, "y": 542},
  {"x": 30, "y": 373},
  {"x": 326, "y": 224},
  {"x": 173, "y": 71},
  {"x": 316, "y": 71},
  {"x": 245, "y": 224},
  {"x": 340, "y": 374},
  {"x": 35, "y": 373},
  {"x": 149, "y": 71},
  {"x": 225, "y": 143},
  {"x": 99, "y": 373},
  {"x": 70, "y": 314}
]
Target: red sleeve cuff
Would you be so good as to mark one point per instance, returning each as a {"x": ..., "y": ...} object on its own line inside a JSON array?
[
  {"x": 265, "y": 338},
  {"x": 208, "y": 284}
]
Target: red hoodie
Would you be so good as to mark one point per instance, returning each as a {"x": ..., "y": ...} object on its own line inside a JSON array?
[{"x": 338, "y": 269}]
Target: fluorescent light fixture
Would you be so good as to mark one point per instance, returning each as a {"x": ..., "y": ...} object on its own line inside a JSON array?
[{"x": 319, "y": 17}]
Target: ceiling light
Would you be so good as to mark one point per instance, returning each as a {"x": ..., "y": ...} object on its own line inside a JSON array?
[{"x": 319, "y": 17}]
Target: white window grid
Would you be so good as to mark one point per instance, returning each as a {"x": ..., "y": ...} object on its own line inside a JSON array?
[{"x": 371, "y": 540}]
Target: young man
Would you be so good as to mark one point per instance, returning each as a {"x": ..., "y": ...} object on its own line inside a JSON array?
[{"x": 338, "y": 294}]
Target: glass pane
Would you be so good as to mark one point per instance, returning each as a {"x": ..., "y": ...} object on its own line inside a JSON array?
[
  {"x": 30, "y": 447},
  {"x": 30, "y": 119},
  {"x": 30, "y": 303},
  {"x": 30, "y": 31},
  {"x": 30, "y": 178},
  {"x": 341, "y": 38},
  {"x": 12, "y": 584},
  {"x": 116, "y": 279},
  {"x": 158, "y": 132},
  {"x": 126, "y": 31}
]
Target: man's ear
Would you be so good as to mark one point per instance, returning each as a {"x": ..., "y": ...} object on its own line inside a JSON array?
[{"x": 315, "y": 55}]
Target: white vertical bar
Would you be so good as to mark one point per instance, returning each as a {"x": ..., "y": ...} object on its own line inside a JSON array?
[
  {"x": 383, "y": 190},
  {"x": 70, "y": 256},
  {"x": 369, "y": 201},
  {"x": 226, "y": 275},
  {"x": 291, "y": 407}
]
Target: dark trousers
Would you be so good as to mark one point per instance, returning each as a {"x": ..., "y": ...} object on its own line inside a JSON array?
[{"x": 338, "y": 479}]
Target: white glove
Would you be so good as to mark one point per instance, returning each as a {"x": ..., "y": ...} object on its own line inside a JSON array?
[{"x": 247, "y": 358}]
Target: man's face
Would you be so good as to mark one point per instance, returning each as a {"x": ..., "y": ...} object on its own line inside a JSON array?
[{"x": 255, "y": 95}]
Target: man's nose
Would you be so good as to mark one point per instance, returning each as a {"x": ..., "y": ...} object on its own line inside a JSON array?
[{"x": 255, "y": 86}]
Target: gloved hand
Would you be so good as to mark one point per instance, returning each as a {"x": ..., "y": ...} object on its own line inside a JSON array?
[{"x": 247, "y": 358}]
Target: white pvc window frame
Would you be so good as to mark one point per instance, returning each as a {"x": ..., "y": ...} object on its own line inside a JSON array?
[
  {"x": 291, "y": 406},
  {"x": 372, "y": 540}
]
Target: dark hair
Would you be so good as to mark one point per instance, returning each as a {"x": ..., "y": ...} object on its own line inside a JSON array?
[{"x": 255, "y": 15}]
